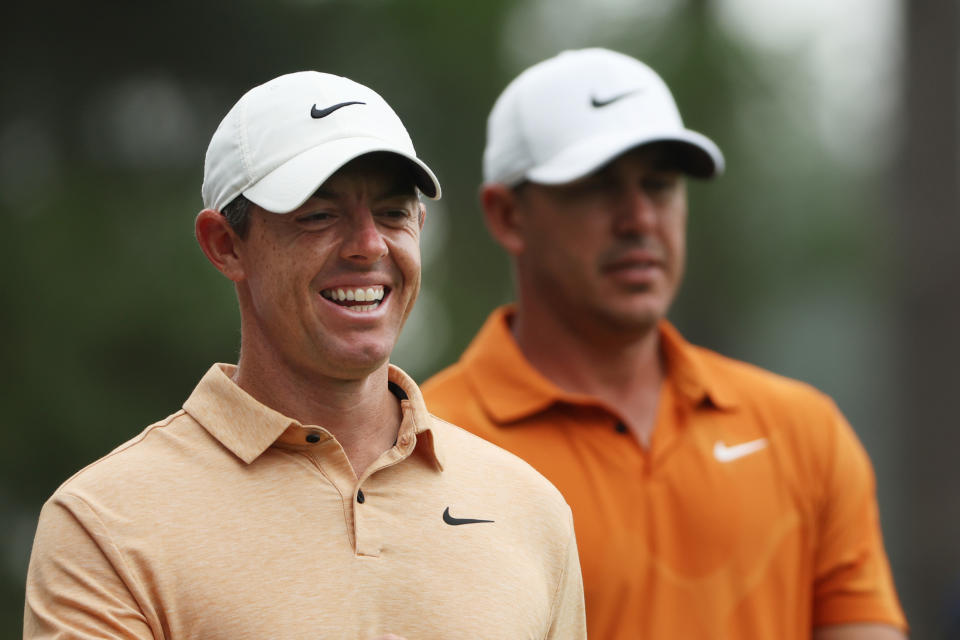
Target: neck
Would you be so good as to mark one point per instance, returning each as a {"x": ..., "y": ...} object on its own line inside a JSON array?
[
  {"x": 362, "y": 414},
  {"x": 624, "y": 370}
]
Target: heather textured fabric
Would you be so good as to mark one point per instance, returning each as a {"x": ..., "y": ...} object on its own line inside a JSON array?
[
  {"x": 751, "y": 516},
  {"x": 229, "y": 520}
]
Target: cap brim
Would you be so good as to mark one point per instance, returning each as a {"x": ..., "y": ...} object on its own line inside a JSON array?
[
  {"x": 699, "y": 156},
  {"x": 292, "y": 183}
]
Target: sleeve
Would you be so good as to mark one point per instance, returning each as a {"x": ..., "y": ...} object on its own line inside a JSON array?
[
  {"x": 75, "y": 587},
  {"x": 568, "y": 620},
  {"x": 852, "y": 580}
]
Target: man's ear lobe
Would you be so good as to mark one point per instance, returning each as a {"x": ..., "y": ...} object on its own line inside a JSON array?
[
  {"x": 502, "y": 216},
  {"x": 423, "y": 214},
  {"x": 219, "y": 243}
]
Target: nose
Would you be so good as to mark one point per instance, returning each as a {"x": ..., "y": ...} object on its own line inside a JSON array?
[
  {"x": 635, "y": 211},
  {"x": 363, "y": 241}
]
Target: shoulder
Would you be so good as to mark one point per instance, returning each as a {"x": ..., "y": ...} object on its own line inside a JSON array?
[
  {"x": 453, "y": 395},
  {"x": 139, "y": 466},
  {"x": 807, "y": 428},
  {"x": 761, "y": 389},
  {"x": 491, "y": 356},
  {"x": 447, "y": 386}
]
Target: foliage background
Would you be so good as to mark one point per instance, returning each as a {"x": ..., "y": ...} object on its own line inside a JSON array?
[{"x": 111, "y": 314}]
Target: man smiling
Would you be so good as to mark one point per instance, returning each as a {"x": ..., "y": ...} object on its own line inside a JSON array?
[{"x": 306, "y": 491}]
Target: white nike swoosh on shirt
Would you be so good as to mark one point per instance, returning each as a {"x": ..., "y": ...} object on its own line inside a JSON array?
[{"x": 723, "y": 453}]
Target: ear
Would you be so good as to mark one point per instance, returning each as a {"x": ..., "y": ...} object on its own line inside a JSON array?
[
  {"x": 423, "y": 214},
  {"x": 219, "y": 243},
  {"x": 500, "y": 212}
]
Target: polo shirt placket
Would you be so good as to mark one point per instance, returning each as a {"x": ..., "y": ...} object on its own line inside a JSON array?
[{"x": 363, "y": 524}]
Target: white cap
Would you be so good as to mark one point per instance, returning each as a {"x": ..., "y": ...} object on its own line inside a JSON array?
[
  {"x": 284, "y": 138},
  {"x": 567, "y": 116}
]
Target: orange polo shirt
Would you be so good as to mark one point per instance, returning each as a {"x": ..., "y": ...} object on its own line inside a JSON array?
[
  {"x": 228, "y": 520},
  {"x": 752, "y": 515}
]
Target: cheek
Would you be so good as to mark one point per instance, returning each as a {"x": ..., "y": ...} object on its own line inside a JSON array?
[
  {"x": 675, "y": 231},
  {"x": 567, "y": 237},
  {"x": 405, "y": 252},
  {"x": 410, "y": 271},
  {"x": 677, "y": 240},
  {"x": 412, "y": 277},
  {"x": 273, "y": 271},
  {"x": 279, "y": 282}
]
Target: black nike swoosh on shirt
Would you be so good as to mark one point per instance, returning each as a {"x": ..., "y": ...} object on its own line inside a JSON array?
[
  {"x": 323, "y": 113},
  {"x": 598, "y": 103},
  {"x": 449, "y": 519}
]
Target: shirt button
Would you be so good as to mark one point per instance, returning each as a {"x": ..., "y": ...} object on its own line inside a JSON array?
[
  {"x": 404, "y": 440},
  {"x": 313, "y": 437},
  {"x": 360, "y": 497}
]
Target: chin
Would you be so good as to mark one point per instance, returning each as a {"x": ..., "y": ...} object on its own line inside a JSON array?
[
  {"x": 634, "y": 320},
  {"x": 359, "y": 362}
]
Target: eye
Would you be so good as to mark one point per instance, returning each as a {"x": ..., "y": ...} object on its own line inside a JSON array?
[
  {"x": 659, "y": 183},
  {"x": 315, "y": 217},
  {"x": 593, "y": 185},
  {"x": 394, "y": 215}
]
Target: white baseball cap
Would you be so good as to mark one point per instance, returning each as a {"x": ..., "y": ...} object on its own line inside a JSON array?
[
  {"x": 285, "y": 137},
  {"x": 567, "y": 116}
]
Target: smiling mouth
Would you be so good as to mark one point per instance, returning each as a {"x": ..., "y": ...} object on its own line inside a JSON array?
[{"x": 356, "y": 298}]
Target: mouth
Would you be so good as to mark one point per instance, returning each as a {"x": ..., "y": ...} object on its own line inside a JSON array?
[
  {"x": 355, "y": 298},
  {"x": 631, "y": 263},
  {"x": 644, "y": 255},
  {"x": 634, "y": 271}
]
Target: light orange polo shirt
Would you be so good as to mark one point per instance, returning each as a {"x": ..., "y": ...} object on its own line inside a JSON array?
[
  {"x": 752, "y": 515},
  {"x": 229, "y": 520}
]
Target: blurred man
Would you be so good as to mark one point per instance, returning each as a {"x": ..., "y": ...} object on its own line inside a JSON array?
[
  {"x": 711, "y": 499},
  {"x": 306, "y": 492}
]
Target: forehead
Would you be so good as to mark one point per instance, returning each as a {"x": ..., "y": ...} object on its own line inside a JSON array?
[{"x": 382, "y": 173}]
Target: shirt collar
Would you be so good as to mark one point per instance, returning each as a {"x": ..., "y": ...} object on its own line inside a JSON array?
[
  {"x": 691, "y": 373},
  {"x": 510, "y": 388},
  {"x": 248, "y": 428},
  {"x": 416, "y": 419}
]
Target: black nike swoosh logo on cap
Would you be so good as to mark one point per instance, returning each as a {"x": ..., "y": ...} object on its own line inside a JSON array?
[
  {"x": 449, "y": 519},
  {"x": 323, "y": 113},
  {"x": 598, "y": 103}
]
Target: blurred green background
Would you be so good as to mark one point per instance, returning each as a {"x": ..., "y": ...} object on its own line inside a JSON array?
[{"x": 826, "y": 252}]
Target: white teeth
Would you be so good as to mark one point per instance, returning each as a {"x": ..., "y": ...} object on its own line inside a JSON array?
[
  {"x": 364, "y": 307},
  {"x": 358, "y": 294}
]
